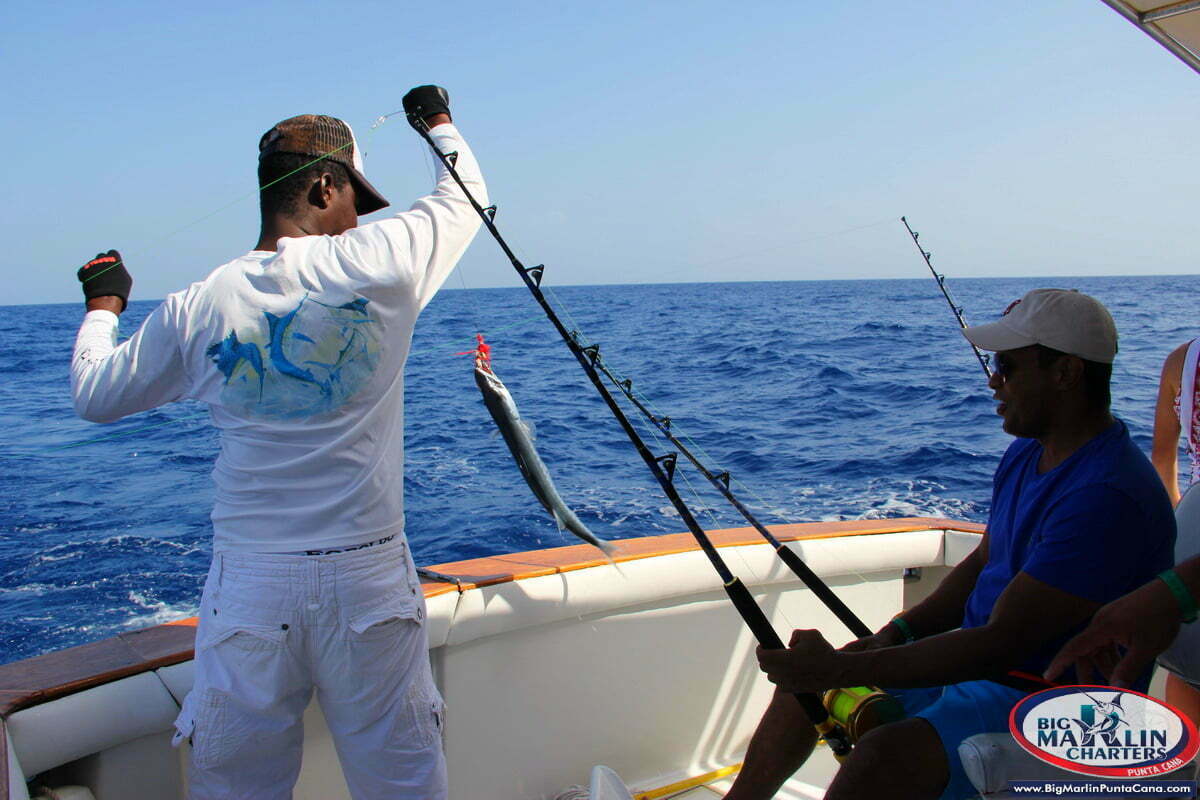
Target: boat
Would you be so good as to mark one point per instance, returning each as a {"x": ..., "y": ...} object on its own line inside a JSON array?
[
  {"x": 642, "y": 666},
  {"x": 559, "y": 667}
]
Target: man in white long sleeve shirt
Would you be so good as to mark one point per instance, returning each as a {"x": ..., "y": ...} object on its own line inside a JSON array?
[{"x": 299, "y": 348}]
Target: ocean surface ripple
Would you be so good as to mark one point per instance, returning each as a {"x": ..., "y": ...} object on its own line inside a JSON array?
[{"x": 827, "y": 400}]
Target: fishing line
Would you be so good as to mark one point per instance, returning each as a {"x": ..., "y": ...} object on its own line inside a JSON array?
[
  {"x": 954, "y": 307},
  {"x": 662, "y": 467},
  {"x": 160, "y": 239}
]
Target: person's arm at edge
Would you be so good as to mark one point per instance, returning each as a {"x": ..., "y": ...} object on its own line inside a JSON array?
[
  {"x": 1164, "y": 450},
  {"x": 1144, "y": 622}
]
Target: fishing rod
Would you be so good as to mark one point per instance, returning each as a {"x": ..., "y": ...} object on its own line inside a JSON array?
[
  {"x": 663, "y": 467},
  {"x": 1014, "y": 679},
  {"x": 720, "y": 482},
  {"x": 954, "y": 307}
]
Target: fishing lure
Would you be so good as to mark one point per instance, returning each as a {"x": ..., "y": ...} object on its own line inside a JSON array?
[{"x": 519, "y": 438}]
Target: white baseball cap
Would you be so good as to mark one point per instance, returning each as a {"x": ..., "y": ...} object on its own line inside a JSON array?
[{"x": 1062, "y": 319}]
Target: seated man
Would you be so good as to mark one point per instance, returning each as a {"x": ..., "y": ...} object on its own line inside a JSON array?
[{"x": 1078, "y": 518}]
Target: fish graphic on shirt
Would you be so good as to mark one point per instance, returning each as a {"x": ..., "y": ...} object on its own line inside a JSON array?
[{"x": 303, "y": 363}]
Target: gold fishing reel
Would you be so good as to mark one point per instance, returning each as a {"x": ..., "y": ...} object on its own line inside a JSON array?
[{"x": 859, "y": 709}]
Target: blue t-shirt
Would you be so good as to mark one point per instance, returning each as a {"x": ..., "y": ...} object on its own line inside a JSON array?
[{"x": 1097, "y": 526}]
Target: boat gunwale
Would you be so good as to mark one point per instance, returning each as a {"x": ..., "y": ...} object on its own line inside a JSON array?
[{"x": 39, "y": 679}]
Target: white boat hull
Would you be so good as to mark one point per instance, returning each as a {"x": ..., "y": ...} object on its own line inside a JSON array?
[{"x": 547, "y": 670}]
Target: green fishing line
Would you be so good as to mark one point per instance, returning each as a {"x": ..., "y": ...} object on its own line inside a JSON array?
[{"x": 230, "y": 204}]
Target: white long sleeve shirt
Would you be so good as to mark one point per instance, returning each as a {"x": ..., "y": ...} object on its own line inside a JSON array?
[{"x": 300, "y": 356}]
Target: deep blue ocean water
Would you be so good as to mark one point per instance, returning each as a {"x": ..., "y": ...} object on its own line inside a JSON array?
[{"x": 826, "y": 400}]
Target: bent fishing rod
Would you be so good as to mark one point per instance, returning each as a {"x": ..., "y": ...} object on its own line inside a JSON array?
[
  {"x": 954, "y": 307},
  {"x": 663, "y": 467}
]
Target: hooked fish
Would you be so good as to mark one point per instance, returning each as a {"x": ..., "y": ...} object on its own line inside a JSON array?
[{"x": 519, "y": 438}]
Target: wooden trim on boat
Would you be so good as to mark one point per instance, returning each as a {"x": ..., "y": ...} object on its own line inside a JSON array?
[
  {"x": 36, "y": 680},
  {"x": 491, "y": 570}
]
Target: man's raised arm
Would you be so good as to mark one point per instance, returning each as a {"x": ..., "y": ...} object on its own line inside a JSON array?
[{"x": 110, "y": 381}]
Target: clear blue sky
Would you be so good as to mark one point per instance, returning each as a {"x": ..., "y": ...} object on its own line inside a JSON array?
[{"x": 624, "y": 142}]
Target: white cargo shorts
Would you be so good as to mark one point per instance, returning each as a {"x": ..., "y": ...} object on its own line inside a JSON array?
[{"x": 275, "y": 627}]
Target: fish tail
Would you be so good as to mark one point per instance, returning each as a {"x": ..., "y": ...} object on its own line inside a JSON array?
[{"x": 609, "y": 549}]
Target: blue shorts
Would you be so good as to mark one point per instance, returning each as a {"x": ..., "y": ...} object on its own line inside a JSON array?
[{"x": 957, "y": 712}]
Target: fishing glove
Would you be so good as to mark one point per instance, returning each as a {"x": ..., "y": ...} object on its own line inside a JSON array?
[
  {"x": 425, "y": 101},
  {"x": 106, "y": 275}
]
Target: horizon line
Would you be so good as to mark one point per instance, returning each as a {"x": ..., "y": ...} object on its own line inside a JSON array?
[{"x": 951, "y": 279}]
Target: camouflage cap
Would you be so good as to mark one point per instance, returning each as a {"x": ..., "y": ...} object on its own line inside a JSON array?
[{"x": 318, "y": 135}]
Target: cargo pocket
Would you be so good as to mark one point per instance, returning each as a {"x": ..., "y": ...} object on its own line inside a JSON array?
[
  {"x": 423, "y": 719},
  {"x": 218, "y": 730},
  {"x": 386, "y": 619}
]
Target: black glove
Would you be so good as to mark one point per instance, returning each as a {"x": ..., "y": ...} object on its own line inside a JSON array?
[
  {"x": 105, "y": 275},
  {"x": 423, "y": 102}
]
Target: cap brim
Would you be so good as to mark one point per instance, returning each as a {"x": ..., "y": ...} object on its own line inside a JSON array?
[
  {"x": 367, "y": 198},
  {"x": 996, "y": 336}
]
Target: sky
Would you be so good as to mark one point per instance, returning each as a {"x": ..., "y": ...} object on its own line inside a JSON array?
[{"x": 624, "y": 142}]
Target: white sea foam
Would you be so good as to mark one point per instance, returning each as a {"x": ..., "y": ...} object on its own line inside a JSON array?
[{"x": 157, "y": 612}]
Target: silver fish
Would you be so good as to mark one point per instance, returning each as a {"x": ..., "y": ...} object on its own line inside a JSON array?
[{"x": 519, "y": 439}]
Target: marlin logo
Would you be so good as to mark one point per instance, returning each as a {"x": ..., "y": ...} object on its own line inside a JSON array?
[
  {"x": 1100, "y": 718},
  {"x": 1104, "y": 731}
]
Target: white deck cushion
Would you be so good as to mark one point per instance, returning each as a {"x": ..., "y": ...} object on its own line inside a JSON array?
[{"x": 77, "y": 725}]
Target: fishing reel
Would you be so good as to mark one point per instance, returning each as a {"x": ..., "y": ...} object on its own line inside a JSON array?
[{"x": 859, "y": 709}]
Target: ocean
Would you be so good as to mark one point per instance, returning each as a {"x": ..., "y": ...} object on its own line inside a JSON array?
[{"x": 826, "y": 400}]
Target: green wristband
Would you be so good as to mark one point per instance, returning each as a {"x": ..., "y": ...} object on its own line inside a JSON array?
[
  {"x": 1187, "y": 605},
  {"x": 910, "y": 637}
]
